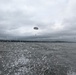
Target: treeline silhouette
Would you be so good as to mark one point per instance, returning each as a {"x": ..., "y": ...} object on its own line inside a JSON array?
[{"x": 36, "y": 41}]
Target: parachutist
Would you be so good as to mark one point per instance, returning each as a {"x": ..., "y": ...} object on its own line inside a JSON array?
[{"x": 35, "y": 28}]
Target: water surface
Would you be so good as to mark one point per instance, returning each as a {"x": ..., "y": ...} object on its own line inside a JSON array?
[{"x": 17, "y": 58}]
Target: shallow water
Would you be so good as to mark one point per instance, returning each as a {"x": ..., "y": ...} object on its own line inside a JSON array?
[{"x": 37, "y": 58}]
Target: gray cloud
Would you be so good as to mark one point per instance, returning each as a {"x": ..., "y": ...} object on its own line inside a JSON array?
[{"x": 55, "y": 18}]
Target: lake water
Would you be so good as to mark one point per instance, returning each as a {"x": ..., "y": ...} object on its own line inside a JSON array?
[{"x": 17, "y": 58}]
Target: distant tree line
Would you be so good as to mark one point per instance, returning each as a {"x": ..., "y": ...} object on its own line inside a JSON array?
[{"x": 35, "y": 41}]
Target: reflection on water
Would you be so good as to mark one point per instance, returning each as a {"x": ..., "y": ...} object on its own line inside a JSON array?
[{"x": 32, "y": 62}]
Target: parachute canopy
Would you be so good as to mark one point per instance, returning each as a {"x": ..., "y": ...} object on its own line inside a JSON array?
[{"x": 36, "y": 28}]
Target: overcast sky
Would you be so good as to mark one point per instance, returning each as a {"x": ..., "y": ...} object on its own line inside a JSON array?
[{"x": 54, "y": 18}]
